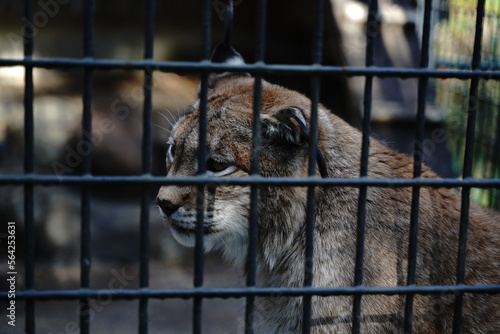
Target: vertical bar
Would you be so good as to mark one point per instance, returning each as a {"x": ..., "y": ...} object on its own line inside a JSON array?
[
  {"x": 202, "y": 167},
  {"x": 200, "y": 207},
  {"x": 206, "y": 40},
  {"x": 418, "y": 157},
  {"x": 253, "y": 220},
  {"x": 261, "y": 30},
  {"x": 310, "y": 213},
  {"x": 146, "y": 165},
  {"x": 254, "y": 168},
  {"x": 372, "y": 32},
  {"x": 85, "y": 236},
  {"x": 495, "y": 165},
  {"x": 481, "y": 149},
  {"x": 29, "y": 129},
  {"x": 468, "y": 164},
  {"x": 317, "y": 56}
]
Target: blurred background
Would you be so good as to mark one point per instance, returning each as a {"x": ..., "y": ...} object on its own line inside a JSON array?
[{"x": 117, "y": 129}]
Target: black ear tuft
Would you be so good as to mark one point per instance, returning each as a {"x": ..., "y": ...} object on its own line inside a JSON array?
[
  {"x": 224, "y": 53},
  {"x": 287, "y": 125}
]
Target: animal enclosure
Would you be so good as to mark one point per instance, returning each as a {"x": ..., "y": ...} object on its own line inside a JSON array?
[{"x": 478, "y": 81}]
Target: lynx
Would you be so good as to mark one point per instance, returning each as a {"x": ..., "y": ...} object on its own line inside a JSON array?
[{"x": 285, "y": 118}]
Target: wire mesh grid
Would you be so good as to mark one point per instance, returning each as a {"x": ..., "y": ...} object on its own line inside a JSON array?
[{"x": 475, "y": 74}]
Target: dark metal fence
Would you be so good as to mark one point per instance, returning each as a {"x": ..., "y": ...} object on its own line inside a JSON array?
[{"x": 314, "y": 71}]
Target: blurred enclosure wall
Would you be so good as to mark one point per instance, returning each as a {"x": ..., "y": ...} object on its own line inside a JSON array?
[
  {"x": 117, "y": 106},
  {"x": 453, "y": 32}
]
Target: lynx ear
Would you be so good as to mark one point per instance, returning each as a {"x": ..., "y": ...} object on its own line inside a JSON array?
[
  {"x": 226, "y": 54},
  {"x": 287, "y": 125}
]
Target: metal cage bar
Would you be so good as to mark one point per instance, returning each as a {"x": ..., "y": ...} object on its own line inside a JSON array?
[
  {"x": 47, "y": 180},
  {"x": 202, "y": 168},
  {"x": 251, "y": 265},
  {"x": 200, "y": 198},
  {"x": 317, "y": 55},
  {"x": 418, "y": 157},
  {"x": 85, "y": 234},
  {"x": 372, "y": 32},
  {"x": 254, "y": 168},
  {"x": 130, "y": 294},
  {"x": 86, "y": 181},
  {"x": 203, "y": 67},
  {"x": 254, "y": 206},
  {"x": 29, "y": 197},
  {"x": 468, "y": 163},
  {"x": 146, "y": 164}
]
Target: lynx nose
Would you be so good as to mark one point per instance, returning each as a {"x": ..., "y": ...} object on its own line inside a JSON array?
[{"x": 167, "y": 207}]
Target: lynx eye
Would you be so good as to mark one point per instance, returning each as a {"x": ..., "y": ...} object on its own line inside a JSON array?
[
  {"x": 219, "y": 167},
  {"x": 171, "y": 150}
]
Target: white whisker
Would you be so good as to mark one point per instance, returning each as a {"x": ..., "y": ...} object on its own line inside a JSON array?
[
  {"x": 222, "y": 240},
  {"x": 158, "y": 217},
  {"x": 166, "y": 118},
  {"x": 171, "y": 115},
  {"x": 176, "y": 104},
  {"x": 161, "y": 127}
]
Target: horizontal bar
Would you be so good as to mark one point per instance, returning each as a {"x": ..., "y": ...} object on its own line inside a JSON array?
[
  {"x": 246, "y": 181},
  {"x": 205, "y": 66},
  {"x": 485, "y": 65},
  {"x": 250, "y": 291}
]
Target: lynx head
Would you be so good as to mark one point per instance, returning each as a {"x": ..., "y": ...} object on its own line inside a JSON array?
[
  {"x": 283, "y": 153},
  {"x": 229, "y": 150}
]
